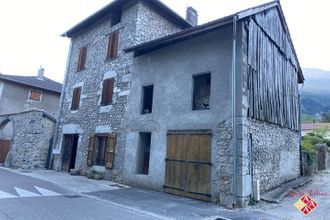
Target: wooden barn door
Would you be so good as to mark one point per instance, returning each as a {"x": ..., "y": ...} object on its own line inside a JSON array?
[
  {"x": 188, "y": 165},
  {"x": 4, "y": 149}
]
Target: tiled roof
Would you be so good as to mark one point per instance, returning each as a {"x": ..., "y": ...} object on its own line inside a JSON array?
[{"x": 41, "y": 83}]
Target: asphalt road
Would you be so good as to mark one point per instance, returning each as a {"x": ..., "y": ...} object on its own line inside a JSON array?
[{"x": 27, "y": 198}]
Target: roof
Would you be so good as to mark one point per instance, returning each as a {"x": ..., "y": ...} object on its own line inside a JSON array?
[
  {"x": 40, "y": 83},
  {"x": 116, "y": 5},
  {"x": 211, "y": 26},
  {"x": 44, "y": 113}
]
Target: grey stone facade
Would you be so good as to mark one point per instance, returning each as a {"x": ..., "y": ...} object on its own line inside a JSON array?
[
  {"x": 139, "y": 23},
  {"x": 30, "y": 134}
]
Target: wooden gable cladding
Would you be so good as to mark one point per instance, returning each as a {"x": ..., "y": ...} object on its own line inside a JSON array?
[
  {"x": 110, "y": 150},
  {"x": 272, "y": 80},
  {"x": 113, "y": 44},
  {"x": 82, "y": 58},
  {"x": 76, "y": 98},
  {"x": 107, "y": 91}
]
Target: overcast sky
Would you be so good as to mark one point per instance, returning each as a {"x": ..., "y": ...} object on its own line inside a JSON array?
[{"x": 30, "y": 29}]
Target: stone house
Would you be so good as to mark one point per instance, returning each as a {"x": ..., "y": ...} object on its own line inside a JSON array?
[
  {"x": 23, "y": 93},
  {"x": 149, "y": 101},
  {"x": 25, "y": 139}
]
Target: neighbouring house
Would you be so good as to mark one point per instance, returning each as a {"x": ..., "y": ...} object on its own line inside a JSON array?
[
  {"x": 202, "y": 111},
  {"x": 310, "y": 127},
  {"x": 25, "y": 139},
  {"x": 23, "y": 93}
]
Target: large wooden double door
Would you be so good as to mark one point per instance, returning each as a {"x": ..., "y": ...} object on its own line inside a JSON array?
[{"x": 188, "y": 164}]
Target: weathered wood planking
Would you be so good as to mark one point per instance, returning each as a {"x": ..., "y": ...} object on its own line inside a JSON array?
[{"x": 272, "y": 72}]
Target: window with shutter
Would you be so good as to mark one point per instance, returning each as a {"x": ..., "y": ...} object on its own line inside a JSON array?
[
  {"x": 101, "y": 150},
  {"x": 35, "y": 95},
  {"x": 82, "y": 58},
  {"x": 107, "y": 92},
  {"x": 113, "y": 44},
  {"x": 75, "y": 98}
]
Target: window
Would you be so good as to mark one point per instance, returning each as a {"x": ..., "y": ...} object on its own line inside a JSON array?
[
  {"x": 148, "y": 92},
  {"x": 82, "y": 58},
  {"x": 144, "y": 153},
  {"x": 201, "y": 93},
  {"x": 115, "y": 18},
  {"x": 75, "y": 98},
  {"x": 113, "y": 44},
  {"x": 107, "y": 92},
  {"x": 35, "y": 95},
  {"x": 101, "y": 150}
]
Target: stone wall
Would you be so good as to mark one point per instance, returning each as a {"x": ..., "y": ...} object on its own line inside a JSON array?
[
  {"x": 32, "y": 133},
  {"x": 138, "y": 24},
  {"x": 275, "y": 153}
]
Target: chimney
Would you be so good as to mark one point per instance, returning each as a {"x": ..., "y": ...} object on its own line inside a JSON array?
[
  {"x": 192, "y": 16},
  {"x": 41, "y": 73}
]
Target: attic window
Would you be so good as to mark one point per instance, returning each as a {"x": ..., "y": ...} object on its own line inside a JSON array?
[
  {"x": 35, "y": 95},
  {"x": 115, "y": 18},
  {"x": 201, "y": 96}
]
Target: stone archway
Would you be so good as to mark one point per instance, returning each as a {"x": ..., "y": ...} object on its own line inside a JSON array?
[{"x": 6, "y": 136}]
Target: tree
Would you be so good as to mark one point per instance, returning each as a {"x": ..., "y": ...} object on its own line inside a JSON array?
[{"x": 325, "y": 118}]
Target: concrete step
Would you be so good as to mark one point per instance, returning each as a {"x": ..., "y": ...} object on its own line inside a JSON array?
[{"x": 277, "y": 194}]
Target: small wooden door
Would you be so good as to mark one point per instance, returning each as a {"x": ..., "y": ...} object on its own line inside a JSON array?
[
  {"x": 4, "y": 149},
  {"x": 70, "y": 145},
  {"x": 188, "y": 165}
]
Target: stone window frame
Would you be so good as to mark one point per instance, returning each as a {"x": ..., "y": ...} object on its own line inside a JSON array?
[{"x": 30, "y": 93}]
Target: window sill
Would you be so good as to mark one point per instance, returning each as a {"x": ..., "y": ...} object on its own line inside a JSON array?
[
  {"x": 105, "y": 108},
  {"x": 31, "y": 100},
  {"x": 79, "y": 70},
  {"x": 202, "y": 109},
  {"x": 98, "y": 168},
  {"x": 108, "y": 59}
]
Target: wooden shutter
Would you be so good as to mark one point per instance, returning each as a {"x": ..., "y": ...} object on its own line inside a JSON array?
[
  {"x": 110, "y": 152},
  {"x": 82, "y": 58},
  {"x": 107, "y": 91},
  {"x": 90, "y": 151},
  {"x": 35, "y": 95},
  {"x": 113, "y": 45},
  {"x": 75, "y": 98}
]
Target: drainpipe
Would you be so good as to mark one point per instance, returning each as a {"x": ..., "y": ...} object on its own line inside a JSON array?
[
  {"x": 299, "y": 127},
  {"x": 62, "y": 98},
  {"x": 233, "y": 110}
]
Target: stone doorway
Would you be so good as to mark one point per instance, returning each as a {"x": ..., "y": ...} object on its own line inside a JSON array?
[
  {"x": 70, "y": 145},
  {"x": 6, "y": 135}
]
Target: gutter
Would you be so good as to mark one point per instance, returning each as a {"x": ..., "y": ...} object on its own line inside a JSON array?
[
  {"x": 233, "y": 111},
  {"x": 61, "y": 101}
]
